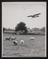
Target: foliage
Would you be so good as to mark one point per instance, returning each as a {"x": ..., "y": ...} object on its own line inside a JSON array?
[{"x": 21, "y": 27}]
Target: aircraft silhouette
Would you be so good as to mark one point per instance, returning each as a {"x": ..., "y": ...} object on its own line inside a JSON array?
[{"x": 33, "y": 16}]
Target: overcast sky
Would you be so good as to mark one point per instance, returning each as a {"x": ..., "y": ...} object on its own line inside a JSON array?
[{"x": 15, "y": 12}]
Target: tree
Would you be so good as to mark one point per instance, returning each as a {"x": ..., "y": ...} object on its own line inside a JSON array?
[
  {"x": 43, "y": 29},
  {"x": 21, "y": 27},
  {"x": 36, "y": 29},
  {"x": 4, "y": 29}
]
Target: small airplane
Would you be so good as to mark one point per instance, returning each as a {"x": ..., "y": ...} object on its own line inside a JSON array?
[{"x": 36, "y": 15}]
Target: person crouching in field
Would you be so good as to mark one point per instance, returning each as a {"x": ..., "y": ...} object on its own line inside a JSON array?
[
  {"x": 15, "y": 42},
  {"x": 8, "y": 38},
  {"x": 22, "y": 42}
]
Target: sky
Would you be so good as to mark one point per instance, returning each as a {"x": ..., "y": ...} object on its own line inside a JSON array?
[{"x": 15, "y": 12}]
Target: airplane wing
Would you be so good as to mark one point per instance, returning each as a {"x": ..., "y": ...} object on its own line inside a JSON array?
[
  {"x": 33, "y": 16},
  {"x": 29, "y": 16},
  {"x": 37, "y": 14}
]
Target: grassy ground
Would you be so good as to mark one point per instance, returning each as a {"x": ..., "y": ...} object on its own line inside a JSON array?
[{"x": 31, "y": 48}]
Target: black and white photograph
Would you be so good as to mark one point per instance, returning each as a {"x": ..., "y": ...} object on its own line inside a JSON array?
[{"x": 24, "y": 29}]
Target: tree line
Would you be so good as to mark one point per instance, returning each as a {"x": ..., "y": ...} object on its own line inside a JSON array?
[{"x": 22, "y": 28}]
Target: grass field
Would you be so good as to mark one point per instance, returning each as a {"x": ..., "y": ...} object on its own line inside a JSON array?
[{"x": 31, "y": 48}]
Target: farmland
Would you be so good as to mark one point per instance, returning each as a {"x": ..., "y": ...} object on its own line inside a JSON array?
[{"x": 31, "y": 48}]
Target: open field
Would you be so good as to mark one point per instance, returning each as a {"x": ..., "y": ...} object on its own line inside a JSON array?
[{"x": 31, "y": 48}]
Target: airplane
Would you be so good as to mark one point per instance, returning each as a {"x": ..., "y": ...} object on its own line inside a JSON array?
[{"x": 36, "y": 15}]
